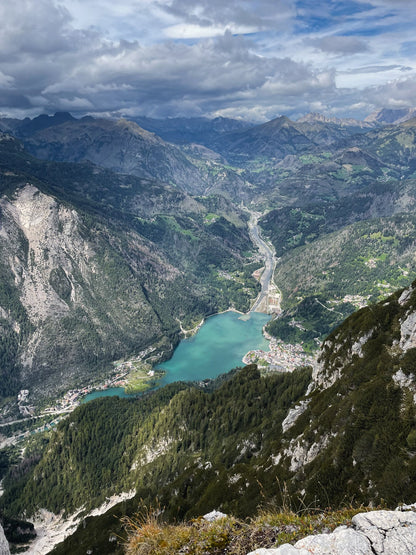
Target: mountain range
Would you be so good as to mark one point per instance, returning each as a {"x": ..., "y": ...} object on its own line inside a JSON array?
[
  {"x": 92, "y": 202},
  {"x": 113, "y": 238},
  {"x": 116, "y": 192}
]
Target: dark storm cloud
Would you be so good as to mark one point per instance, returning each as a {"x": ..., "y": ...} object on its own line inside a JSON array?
[{"x": 203, "y": 76}]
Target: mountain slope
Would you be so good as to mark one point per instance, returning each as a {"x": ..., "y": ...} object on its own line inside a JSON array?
[
  {"x": 96, "y": 266},
  {"x": 274, "y": 139},
  {"x": 119, "y": 145},
  {"x": 325, "y": 280},
  {"x": 356, "y": 437},
  {"x": 180, "y": 437},
  {"x": 124, "y": 147},
  {"x": 202, "y": 131},
  {"x": 349, "y": 436},
  {"x": 292, "y": 226}
]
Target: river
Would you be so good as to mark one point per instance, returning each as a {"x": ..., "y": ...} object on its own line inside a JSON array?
[{"x": 269, "y": 260}]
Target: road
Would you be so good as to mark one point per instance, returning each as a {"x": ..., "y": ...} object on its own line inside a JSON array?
[{"x": 269, "y": 260}]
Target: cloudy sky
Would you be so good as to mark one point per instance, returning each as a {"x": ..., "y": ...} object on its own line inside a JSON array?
[{"x": 252, "y": 59}]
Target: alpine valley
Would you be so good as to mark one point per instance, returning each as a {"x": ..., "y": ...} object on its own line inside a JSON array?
[{"x": 117, "y": 236}]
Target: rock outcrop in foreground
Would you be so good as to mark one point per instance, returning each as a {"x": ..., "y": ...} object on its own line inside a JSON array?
[
  {"x": 4, "y": 545},
  {"x": 377, "y": 532}
]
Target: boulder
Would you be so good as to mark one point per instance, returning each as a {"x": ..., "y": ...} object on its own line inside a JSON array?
[{"x": 372, "y": 533}]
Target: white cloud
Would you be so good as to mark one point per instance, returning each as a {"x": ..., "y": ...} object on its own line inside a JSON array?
[
  {"x": 255, "y": 15},
  {"x": 190, "y": 31},
  {"x": 398, "y": 93},
  {"x": 191, "y": 57},
  {"x": 339, "y": 45}
]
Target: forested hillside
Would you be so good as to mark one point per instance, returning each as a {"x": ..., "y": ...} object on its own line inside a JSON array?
[{"x": 180, "y": 437}]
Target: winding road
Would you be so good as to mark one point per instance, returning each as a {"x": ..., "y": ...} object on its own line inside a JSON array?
[{"x": 269, "y": 260}]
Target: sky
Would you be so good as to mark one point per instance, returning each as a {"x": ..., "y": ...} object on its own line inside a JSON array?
[{"x": 248, "y": 59}]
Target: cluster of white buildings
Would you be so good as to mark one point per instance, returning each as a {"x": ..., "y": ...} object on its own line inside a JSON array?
[
  {"x": 281, "y": 357},
  {"x": 72, "y": 398},
  {"x": 357, "y": 300}
]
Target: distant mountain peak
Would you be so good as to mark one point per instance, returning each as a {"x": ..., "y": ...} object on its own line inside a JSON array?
[
  {"x": 391, "y": 115},
  {"x": 315, "y": 117},
  {"x": 30, "y": 126},
  {"x": 136, "y": 130},
  {"x": 280, "y": 120}
]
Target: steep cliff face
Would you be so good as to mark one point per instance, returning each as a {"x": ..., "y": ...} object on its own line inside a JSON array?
[
  {"x": 52, "y": 240},
  {"x": 4, "y": 545},
  {"x": 356, "y": 437},
  {"x": 76, "y": 303}
]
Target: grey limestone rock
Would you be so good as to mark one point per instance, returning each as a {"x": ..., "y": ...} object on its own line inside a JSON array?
[
  {"x": 285, "y": 549},
  {"x": 408, "y": 332},
  {"x": 373, "y": 533},
  {"x": 294, "y": 414},
  {"x": 4, "y": 544},
  {"x": 343, "y": 541},
  {"x": 214, "y": 515},
  {"x": 390, "y": 532}
]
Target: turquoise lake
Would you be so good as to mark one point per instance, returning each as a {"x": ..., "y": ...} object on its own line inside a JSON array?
[{"x": 218, "y": 347}]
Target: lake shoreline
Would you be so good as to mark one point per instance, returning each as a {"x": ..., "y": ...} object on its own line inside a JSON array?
[{"x": 218, "y": 347}]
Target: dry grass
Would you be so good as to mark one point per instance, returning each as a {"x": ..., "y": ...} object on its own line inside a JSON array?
[{"x": 148, "y": 535}]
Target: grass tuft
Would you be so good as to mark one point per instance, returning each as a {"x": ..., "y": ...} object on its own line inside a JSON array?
[{"x": 148, "y": 534}]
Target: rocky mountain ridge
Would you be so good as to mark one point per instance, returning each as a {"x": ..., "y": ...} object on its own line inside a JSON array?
[
  {"x": 123, "y": 146},
  {"x": 386, "y": 115},
  {"x": 348, "y": 122},
  {"x": 202, "y": 131},
  {"x": 120, "y": 146},
  {"x": 267, "y": 163}
]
